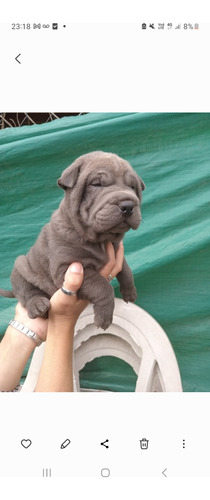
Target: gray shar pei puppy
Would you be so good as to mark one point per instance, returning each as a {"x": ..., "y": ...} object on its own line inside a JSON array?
[{"x": 102, "y": 201}]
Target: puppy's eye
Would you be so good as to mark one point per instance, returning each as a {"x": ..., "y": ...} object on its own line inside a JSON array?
[
  {"x": 96, "y": 184},
  {"x": 133, "y": 187}
]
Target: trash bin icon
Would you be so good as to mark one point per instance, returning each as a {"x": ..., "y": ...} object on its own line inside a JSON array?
[{"x": 144, "y": 444}]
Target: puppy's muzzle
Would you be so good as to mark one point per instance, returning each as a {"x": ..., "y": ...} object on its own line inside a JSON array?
[{"x": 126, "y": 207}]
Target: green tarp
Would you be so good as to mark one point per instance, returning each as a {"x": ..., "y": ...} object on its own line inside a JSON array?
[{"x": 169, "y": 253}]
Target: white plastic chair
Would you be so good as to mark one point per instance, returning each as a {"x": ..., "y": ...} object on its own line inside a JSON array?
[{"x": 134, "y": 336}]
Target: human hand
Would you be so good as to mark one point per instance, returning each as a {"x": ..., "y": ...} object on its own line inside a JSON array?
[
  {"x": 115, "y": 262},
  {"x": 70, "y": 307}
]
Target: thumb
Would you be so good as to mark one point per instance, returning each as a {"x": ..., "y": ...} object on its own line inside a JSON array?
[{"x": 74, "y": 277}]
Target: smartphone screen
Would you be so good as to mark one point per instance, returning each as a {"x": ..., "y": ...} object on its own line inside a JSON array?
[{"x": 104, "y": 163}]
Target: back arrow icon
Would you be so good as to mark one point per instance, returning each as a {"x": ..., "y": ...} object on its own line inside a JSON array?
[
  {"x": 163, "y": 472},
  {"x": 16, "y": 58}
]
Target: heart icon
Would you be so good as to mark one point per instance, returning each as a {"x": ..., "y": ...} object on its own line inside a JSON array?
[{"x": 26, "y": 443}]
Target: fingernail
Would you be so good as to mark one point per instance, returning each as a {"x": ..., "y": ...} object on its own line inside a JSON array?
[{"x": 76, "y": 267}]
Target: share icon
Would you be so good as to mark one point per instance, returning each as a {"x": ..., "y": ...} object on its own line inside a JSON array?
[{"x": 104, "y": 443}]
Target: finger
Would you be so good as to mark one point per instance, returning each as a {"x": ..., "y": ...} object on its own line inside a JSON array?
[
  {"x": 111, "y": 253},
  {"x": 119, "y": 257},
  {"x": 69, "y": 306},
  {"x": 74, "y": 277},
  {"x": 118, "y": 260},
  {"x": 106, "y": 270}
]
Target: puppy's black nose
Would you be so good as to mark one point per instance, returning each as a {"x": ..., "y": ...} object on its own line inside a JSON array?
[{"x": 126, "y": 207}]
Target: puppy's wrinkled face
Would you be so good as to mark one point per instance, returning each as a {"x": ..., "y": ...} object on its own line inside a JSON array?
[
  {"x": 107, "y": 192},
  {"x": 111, "y": 200}
]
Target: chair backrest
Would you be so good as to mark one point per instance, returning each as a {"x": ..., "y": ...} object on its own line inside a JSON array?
[{"x": 134, "y": 336}]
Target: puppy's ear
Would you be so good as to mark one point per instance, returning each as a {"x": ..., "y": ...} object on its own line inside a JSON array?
[
  {"x": 143, "y": 187},
  {"x": 69, "y": 176}
]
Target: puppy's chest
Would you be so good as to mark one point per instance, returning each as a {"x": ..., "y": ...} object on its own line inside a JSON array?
[
  {"x": 96, "y": 256},
  {"x": 92, "y": 256}
]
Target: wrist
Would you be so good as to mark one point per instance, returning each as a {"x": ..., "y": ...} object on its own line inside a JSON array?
[
  {"x": 19, "y": 342},
  {"x": 20, "y": 327},
  {"x": 61, "y": 324},
  {"x": 38, "y": 325}
]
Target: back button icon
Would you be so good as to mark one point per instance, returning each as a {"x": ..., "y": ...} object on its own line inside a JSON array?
[{"x": 17, "y": 58}]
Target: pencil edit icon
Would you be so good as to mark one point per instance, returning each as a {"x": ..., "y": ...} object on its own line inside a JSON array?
[{"x": 65, "y": 444}]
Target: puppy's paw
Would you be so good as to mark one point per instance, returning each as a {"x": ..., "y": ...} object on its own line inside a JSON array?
[
  {"x": 38, "y": 306},
  {"x": 103, "y": 318},
  {"x": 103, "y": 323},
  {"x": 129, "y": 294}
]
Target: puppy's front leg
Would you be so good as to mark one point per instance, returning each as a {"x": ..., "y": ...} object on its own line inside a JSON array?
[
  {"x": 126, "y": 281},
  {"x": 100, "y": 293}
]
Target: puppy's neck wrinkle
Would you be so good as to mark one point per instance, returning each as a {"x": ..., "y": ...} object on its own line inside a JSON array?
[
  {"x": 76, "y": 230},
  {"x": 65, "y": 224}
]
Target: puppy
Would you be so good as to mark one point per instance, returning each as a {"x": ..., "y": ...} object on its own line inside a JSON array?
[{"x": 102, "y": 201}]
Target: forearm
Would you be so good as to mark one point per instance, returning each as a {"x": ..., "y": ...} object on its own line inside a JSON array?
[
  {"x": 15, "y": 350},
  {"x": 56, "y": 370}
]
